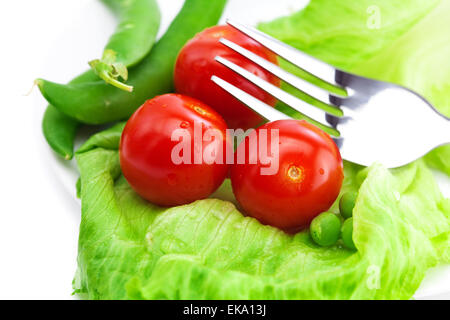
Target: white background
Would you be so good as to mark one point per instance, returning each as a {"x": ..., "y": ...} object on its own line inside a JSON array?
[{"x": 39, "y": 219}]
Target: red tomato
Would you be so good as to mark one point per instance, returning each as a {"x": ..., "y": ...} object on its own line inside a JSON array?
[
  {"x": 151, "y": 164},
  {"x": 307, "y": 182},
  {"x": 195, "y": 66}
]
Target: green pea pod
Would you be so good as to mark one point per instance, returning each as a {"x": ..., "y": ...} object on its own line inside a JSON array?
[
  {"x": 98, "y": 103},
  {"x": 60, "y": 129},
  {"x": 134, "y": 37}
]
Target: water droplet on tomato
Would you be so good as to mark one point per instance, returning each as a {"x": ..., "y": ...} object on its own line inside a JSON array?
[
  {"x": 184, "y": 125},
  {"x": 321, "y": 171},
  {"x": 199, "y": 110}
]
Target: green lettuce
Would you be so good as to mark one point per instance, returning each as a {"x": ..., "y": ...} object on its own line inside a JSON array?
[
  {"x": 132, "y": 249},
  {"x": 404, "y": 42}
]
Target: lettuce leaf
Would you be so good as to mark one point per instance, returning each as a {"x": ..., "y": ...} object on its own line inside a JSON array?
[
  {"x": 131, "y": 249},
  {"x": 404, "y": 42}
]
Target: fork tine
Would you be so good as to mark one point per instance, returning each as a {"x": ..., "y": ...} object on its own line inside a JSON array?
[
  {"x": 301, "y": 106},
  {"x": 315, "y": 92},
  {"x": 256, "y": 105},
  {"x": 260, "y": 107},
  {"x": 314, "y": 67}
]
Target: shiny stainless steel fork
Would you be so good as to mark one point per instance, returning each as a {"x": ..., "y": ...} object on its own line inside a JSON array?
[{"x": 374, "y": 121}]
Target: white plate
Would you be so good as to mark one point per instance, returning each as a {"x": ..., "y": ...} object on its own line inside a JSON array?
[{"x": 83, "y": 38}]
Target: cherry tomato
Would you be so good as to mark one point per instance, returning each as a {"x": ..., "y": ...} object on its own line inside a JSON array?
[
  {"x": 307, "y": 182},
  {"x": 195, "y": 66},
  {"x": 153, "y": 160}
]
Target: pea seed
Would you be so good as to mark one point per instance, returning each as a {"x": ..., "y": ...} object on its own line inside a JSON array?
[
  {"x": 347, "y": 234},
  {"x": 325, "y": 229},
  {"x": 347, "y": 203}
]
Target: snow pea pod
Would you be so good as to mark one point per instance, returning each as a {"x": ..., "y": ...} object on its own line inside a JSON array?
[
  {"x": 134, "y": 37},
  {"x": 98, "y": 103},
  {"x": 59, "y": 129}
]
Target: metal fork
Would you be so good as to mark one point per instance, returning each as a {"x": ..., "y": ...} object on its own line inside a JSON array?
[{"x": 370, "y": 121}]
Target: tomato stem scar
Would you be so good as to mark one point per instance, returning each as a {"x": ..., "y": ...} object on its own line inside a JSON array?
[{"x": 295, "y": 173}]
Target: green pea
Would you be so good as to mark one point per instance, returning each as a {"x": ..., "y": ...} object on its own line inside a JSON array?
[
  {"x": 347, "y": 234},
  {"x": 325, "y": 229},
  {"x": 99, "y": 103},
  {"x": 347, "y": 203}
]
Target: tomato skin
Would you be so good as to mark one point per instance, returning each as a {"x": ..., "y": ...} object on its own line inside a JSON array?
[
  {"x": 146, "y": 150},
  {"x": 279, "y": 200},
  {"x": 196, "y": 65}
]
